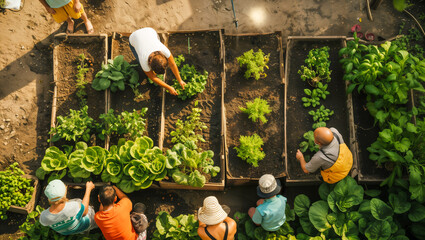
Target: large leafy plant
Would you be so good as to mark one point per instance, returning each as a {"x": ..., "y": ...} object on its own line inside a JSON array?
[
  {"x": 250, "y": 149},
  {"x": 115, "y": 75},
  {"x": 181, "y": 227},
  {"x": 77, "y": 125},
  {"x": 193, "y": 164},
  {"x": 129, "y": 124},
  {"x": 187, "y": 130},
  {"x": 195, "y": 81},
  {"x": 317, "y": 69},
  {"x": 344, "y": 213},
  {"x": 255, "y": 64},
  {"x": 257, "y": 109}
]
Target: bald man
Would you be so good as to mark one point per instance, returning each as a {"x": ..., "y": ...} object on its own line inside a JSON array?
[{"x": 334, "y": 158}]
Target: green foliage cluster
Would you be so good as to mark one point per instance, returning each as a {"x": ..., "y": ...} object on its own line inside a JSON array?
[
  {"x": 82, "y": 69},
  {"x": 257, "y": 109},
  {"x": 14, "y": 189},
  {"x": 321, "y": 114},
  {"x": 195, "y": 81},
  {"x": 314, "y": 96},
  {"x": 193, "y": 164},
  {"x": 317, "y": 69},
  {"x": 130, "y": 124},
  {"x": 181, "y": 227},
  {"x": 247, "y": 230},
  {"x": 344, "y": 212},
  {"x": 386, "y": 74},
  {"x": 187, "y": 130},
  {"x": 250, "y": 149},
  {"x": 115, "y": 75},
  {"x": 34, "y": 230},
  {"x": 255, "y": 64},
  {"x": 77, "y": 125}
]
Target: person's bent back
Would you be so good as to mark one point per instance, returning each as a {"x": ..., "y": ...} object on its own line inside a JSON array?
[{"x": 114, "y": 218}]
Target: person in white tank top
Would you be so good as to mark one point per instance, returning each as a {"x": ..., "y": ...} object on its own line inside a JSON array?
[{"x": 154, "y": 57}]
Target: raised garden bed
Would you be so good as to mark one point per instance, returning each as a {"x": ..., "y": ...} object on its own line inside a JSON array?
[
  {"x": 66, "y": 50},
  {"x": 205, "y": 53},
  {"x": 297, "y": 119},
  {"x": 124, "y": 100},
  {"x": 238, "y": 91},
  {"x": 31, "y": 204}
]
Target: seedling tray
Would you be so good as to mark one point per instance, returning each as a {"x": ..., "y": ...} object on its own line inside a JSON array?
[
  {"x": 66, "y": 49},
  {"x": 124, "y": 100},
  {"x": 297, "y": 119},
  {"x": 204, "y": 50},
  {"x": 240, "y": 90},
  {"x": 31, "y": 204}
]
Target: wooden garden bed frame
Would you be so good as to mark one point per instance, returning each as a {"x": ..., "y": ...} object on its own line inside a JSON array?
[
  {"x": 349, "y": 103},
  {"x": 31, "y": 204}
]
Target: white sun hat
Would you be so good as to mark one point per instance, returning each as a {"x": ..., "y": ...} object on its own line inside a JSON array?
[
  {"x": 268, "y": 186},
  {"x": 211, "y": 213}
]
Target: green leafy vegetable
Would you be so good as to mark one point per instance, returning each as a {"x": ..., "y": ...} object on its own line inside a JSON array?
[
  {"x": 82, "y": 69},
  {"x": 186, "y": 130},
  {"x": 257, "y": 109},
  {"x": 181, "y": 227},
  {"x": 317, "y": 69},
  {"x": 255, "y": 64},
  {"x": 250, "y": 149}
]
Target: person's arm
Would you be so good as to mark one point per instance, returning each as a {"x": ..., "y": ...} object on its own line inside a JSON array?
[
  {"x": 152, "y": 76},
  {"x": 86, "y": 199},
  {"x": 48, "y": 8},
  {"x": 175, "y": 70},
  {"x": 119, "y": 193},
  {"x": 300, "y": 158},
  {"x": 232, "y": 227},
  {"x": 77, "y": 6}
]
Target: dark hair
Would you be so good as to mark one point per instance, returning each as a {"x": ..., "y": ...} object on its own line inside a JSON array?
[
  {"x": 158, "y": 62},
  {"x": 107, "y": 195}
]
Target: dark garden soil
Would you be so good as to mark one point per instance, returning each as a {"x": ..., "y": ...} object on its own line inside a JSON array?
[
  {"x": 204, "y": 55},
  {"x": 67, "y": 52},
  {"x": 239, "y": 91},
  {"x": 125, "y": 100},
  {"x": 367, "y": 133},
  {"x": 298, "y": 120}
]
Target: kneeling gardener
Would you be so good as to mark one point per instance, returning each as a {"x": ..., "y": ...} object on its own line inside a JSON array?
[{"x": 334, "y": 157}]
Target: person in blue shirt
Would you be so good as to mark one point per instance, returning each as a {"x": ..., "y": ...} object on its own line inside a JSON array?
[{"x": 270, "y": 210}]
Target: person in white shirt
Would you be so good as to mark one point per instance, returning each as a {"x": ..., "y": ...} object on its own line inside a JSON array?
[{"x": 154, "y": 57}]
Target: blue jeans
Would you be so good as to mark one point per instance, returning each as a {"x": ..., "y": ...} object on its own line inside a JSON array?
[{"x": 134, "y": 52}]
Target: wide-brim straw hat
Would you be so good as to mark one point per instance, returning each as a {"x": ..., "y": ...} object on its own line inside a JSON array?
[
  {"x": 211, "y": 213},
  {"x": 268, "y": 186}
]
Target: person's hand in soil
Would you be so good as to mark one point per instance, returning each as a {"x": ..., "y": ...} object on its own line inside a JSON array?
[
  {"x": 300, "y": 158},
  {"x": 77, "y": 6},
  {"x": 152, "y": 76}
]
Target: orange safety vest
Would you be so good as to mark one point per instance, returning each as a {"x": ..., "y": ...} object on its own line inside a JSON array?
[{"x": 341, "y": 167}]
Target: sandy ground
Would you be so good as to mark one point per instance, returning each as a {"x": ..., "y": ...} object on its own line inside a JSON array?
[{"x": 26, "y": 53}]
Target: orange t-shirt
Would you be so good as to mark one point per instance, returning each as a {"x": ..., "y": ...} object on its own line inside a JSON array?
[{"x": 115, "y": 223}]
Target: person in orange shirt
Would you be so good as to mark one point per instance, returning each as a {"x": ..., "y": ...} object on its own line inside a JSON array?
[{"x": 114, "y": 218}]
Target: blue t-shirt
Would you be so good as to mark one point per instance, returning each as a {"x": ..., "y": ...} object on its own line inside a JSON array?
[
  {"x": 57, "y": 3},
  {"x": 271, "y": 214}
]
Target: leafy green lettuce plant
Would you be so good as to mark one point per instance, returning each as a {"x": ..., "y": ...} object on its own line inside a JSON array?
[
  {"x": 86, "y": 160},
  {"x": 77, "y": 125},
  {"x": 192, "y": 165},
  {"x": 129, "y": 124},
  {"x": 195, "y": 81},
  {"x": 257, "y": 109},
  {"x": 250, "y": 149},
  {"x": 317, "y": 69},
  {"x": 181, "y": 227},
  {"x": 115, "y": 75},
  {"x": 255, "y": 63}
]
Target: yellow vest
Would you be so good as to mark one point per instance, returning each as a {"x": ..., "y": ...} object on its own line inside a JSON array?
[{"x": 341, "y": 167}]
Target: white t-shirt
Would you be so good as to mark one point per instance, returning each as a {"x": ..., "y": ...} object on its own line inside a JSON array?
[{"x": 146, "y": 41}]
